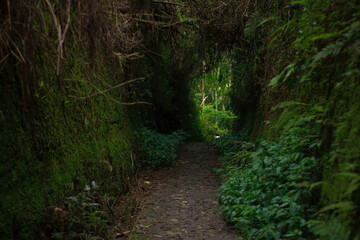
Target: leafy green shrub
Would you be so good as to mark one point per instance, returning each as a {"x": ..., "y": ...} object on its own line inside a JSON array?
[
  {"x": 157, "y": 149},
  {"x": 238, "y": 159},
  {"x": 217, "y": 121},
  {"x": 229, "y": 143},
  {"x": 86, "y": 215},
  {"x": 269, "y": 197}
]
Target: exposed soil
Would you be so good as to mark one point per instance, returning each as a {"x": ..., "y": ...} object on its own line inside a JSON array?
[{"x": 181, "y": 203}]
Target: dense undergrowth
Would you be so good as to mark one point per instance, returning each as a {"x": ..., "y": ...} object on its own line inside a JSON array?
[
  {"x": 93, "y": 213},
  {"x": 266, "y": 192},
  {"x": 159, "y": 150},
  {"x": 297, "y": 68},
  {"x": 86, "y": 215}
]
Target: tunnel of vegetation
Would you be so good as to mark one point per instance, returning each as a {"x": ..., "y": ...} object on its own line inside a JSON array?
[{"x": 83, "y": 82}]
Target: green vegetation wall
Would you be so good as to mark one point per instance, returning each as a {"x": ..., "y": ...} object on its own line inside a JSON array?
[
  {"x": 297, "y": 67},
  {"x": 67, "y": 91},
  {"x": 77, "y": 79}
]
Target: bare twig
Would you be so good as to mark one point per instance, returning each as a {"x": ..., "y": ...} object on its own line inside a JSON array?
[
  {"x": 4, "y": 58},
  {"x": 20, "y": 57},
  {"x": 58, "y": 28},
  {"x": 203, "y": 101},
  {"x": 68, "y": 6},
  {"x": 171, "y": 3},
  {"x": 114, "y": 100},
  {"x": 61, "y": 34},
  {"x": 130, "y": 56},
  {"x": 109, "y": 89},
  {"x": 102, "y": 92},
  {"x": 16, "y": 56},
  {"x": 8, "y": 6},
  {"x": 160, "y": 24}
]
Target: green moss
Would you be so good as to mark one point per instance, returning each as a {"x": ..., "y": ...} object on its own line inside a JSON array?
[{"x": 61, "y": 143}]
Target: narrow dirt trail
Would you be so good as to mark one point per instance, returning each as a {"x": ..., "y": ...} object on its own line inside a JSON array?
[{"x": 182, "y": 203}]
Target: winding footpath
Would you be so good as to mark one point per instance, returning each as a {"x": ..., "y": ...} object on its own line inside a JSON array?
[{"x": 182, "y": 204}]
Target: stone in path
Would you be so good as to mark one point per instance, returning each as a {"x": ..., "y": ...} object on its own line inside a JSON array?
[{"x": 182, "y": 204}]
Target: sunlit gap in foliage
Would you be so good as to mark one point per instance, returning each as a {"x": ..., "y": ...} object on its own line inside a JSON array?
[{"x": 211, "y": 94}]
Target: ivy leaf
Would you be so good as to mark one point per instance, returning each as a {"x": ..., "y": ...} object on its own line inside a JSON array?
[
  {"x": 288, "y": 104},
  {"x": 341, "y": 206},
  {"x": 275, "y": 81},
  {"x": 288, "y": 70},
  {"x": 325, "y": 36},
  {"x": 332, "y": 49},
  {"x": 300, "y": 2}
]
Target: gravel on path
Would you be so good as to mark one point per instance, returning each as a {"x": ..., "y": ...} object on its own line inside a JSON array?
[{"x": 182, "y": 204}]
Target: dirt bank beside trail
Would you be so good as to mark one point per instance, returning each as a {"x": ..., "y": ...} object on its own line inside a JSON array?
[{"x": 182, "y": 202}]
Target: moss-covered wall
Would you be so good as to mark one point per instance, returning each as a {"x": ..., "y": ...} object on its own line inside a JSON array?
[
  {"x": 63, "y": 119},
  {"x": 65, "y": 144}
]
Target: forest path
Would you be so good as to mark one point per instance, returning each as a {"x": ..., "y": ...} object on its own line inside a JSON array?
[{"x": 182, "y": 204}]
